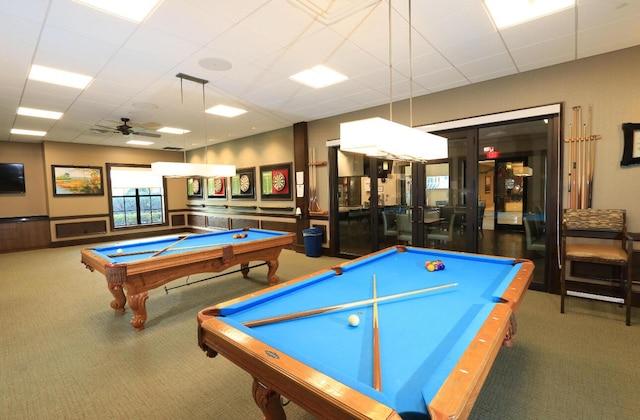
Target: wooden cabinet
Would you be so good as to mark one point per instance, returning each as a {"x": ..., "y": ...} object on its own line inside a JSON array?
[{"x": 18, "y": 234}]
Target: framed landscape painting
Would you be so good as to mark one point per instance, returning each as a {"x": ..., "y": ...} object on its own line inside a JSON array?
[{"x": 77, "y": 180}]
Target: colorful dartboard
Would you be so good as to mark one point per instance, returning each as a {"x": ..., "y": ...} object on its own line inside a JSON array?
[
  {"x": 245, "y": 183},
  {"x": 217, "y": 185},
  {"x": 279, "y": 181}
]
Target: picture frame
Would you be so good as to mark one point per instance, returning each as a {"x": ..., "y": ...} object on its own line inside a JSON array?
[
  {"x": 276, "y": 182},
  {"x": 217, "y": 187},
  {"x": 631, "y": 150},
  {"x": 243, "y": 184},
  {"x": 487, "y": 184},
  {"x": 73, "y": 181},
  {"x": 194, "y": 188}
]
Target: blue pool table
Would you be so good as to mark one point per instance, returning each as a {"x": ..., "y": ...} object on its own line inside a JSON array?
[
  {"x": 434, "y": 343},
  {"x": 139, "y": 266}
]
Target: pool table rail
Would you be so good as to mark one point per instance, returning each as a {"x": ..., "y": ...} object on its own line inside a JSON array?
[{"x": 275, "y": 374}]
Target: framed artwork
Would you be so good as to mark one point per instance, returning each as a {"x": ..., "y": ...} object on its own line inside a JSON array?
[
  {"x": 77, "y": 180},
  {"x": 243, "y": 183},
  {"x": 631, "y": 150},
  {"x": 276, "y": 181},
  {"x": 217, "y": 187},
  {"x": 194, "y": 188},
  {"x": 487, "y": 184}
]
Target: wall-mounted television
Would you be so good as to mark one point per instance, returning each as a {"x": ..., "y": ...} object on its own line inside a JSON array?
[{"x": 12, "y": 178}]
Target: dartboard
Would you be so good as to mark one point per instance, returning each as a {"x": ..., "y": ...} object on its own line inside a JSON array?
[
  {"x": 279, "y": 181},
  {"x": 217, "y": 185},
  {"x": 195, "y": 185},
  {"x": 245, "y": 184}
]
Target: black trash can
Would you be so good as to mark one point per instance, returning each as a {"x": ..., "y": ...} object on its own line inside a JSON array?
[{"x": 312, "y": 242}]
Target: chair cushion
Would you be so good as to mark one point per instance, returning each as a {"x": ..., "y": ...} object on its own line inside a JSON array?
[
  {"x": 597, "y": 252},
  {"x": 594, "y": 219}
]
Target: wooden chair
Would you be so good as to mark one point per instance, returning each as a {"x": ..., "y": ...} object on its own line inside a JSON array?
[{"x": 604, "y": 241}]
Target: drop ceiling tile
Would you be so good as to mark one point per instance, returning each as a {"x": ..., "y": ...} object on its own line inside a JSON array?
[
  {"x": 188, "y": 21},
  {"x": 545, "y": 53},
  {"x": 541, "y": 30},
  {"x": 267, "y": 22},
  {"x": 496, "y": 64},
  {"x": 34, "y": 10},
  {"x": 161, "y": 44},
  {"x": 475, "y": 49},
  {"x": 469, "y": 23},
  {"x": 79, "y": 54},
  {"x": 74, "y": 17}
]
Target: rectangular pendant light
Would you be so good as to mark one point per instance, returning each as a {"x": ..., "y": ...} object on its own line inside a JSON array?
[{"x": 385, "y": 139}]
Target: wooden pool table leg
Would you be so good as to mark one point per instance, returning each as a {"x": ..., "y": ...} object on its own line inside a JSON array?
[
  {"x": 271, "y": 275},
  {"x": 273, "y": 267},
  {"x": 137, "y": 303},
  {"x": 268, "y": 400},
  {"x": 119, "y": 299}
]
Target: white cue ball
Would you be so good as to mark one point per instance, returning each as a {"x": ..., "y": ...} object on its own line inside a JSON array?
[
  {"x": 354, "y": 320},
  {"x": 119, "y": 251}
]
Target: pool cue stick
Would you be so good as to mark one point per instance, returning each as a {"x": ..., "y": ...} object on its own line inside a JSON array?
[
  {"x": 182, "y": 238},
  {"x": 592, "y": 141},
  {"x": 126, "y": 254},
  {"x": 573, "y": 152},
  {"x": 318, "y": 311},
  {"x": 183, "y": 248},
  {"x": 377, "y": 376},
  {"x": 571, "y": 174}
]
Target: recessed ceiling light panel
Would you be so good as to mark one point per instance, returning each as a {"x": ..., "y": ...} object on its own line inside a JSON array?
[
  {"x": 172, "y": 130},
  {"x": 507, "y": 13},
  {"x": 318, "y": 77},
  {"x": 39, "y": 113},
  {"x": 140, "y": 142},
  {"x": 225, "y": 111},
  {"x": 59, "y": 77},
  {"x": 28, "y": 132},
  {"x": 136, "y": 10}
]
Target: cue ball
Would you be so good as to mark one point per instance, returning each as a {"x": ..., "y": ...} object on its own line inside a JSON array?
[
  {"x": 119, "y": 251},
  {"x": 354, "y": 320}
]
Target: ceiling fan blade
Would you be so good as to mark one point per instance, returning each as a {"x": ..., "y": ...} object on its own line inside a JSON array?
[
  {"x": 143, "y": 134},
  {"x": 101, "y": 130}
]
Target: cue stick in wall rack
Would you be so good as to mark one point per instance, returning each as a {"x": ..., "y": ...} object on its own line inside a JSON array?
[
  {"x": 318, "y": 311},
  {"x": 582, "y": 150}
]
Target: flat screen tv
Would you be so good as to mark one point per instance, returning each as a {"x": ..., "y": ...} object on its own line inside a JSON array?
[{"x": 12, "y": 178}]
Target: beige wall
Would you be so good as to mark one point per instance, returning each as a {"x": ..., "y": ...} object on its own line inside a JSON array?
[{"x": 608, "y": 82}]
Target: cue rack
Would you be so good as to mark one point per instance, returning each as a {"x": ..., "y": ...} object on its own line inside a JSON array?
[{"x": 582, "y": 158}]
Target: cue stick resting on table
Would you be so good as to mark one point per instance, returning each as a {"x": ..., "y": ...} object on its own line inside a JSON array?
[
  {"x": 182, "y": 238},
  {"x": 377, "y": 376},
  {"x": 318, "y": 311},
  {"x": 180, "y": 248}
]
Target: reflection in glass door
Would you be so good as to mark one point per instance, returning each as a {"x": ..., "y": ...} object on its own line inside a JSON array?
[{"x": 445, "y": 209}]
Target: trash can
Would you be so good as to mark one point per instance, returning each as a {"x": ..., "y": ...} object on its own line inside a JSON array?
[{"x": 312, "y": 242}]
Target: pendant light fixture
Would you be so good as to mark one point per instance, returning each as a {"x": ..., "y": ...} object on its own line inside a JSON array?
[
  {"x": 386, "y": 139},
  {"x": 188, "y": 170}
]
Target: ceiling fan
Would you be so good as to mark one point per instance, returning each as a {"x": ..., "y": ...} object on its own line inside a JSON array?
[{"x": 124, "y": 129}]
